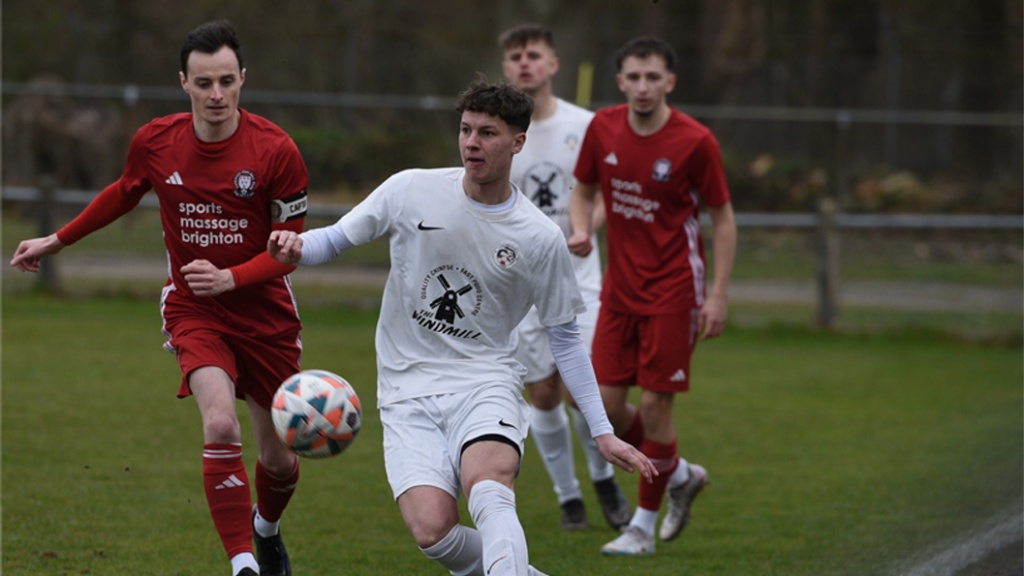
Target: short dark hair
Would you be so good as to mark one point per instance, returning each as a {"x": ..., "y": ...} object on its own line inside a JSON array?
[
  {"x": 502, "y": 100},
  {"x": 523, "y": 34},
  {"x": 209, "y": 38},
  {"x": 645, "y": 46}
]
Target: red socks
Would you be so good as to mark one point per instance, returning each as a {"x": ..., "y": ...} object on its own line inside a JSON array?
[
  {"x": 272, "y": 493},
  {"x": 665, "y": 460},
  {"x": 227, "y": 493}
]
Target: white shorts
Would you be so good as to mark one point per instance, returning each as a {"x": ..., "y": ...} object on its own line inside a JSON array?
[
  {"x": 424, "y": 437},
  {"x": 534, "y": 351}
]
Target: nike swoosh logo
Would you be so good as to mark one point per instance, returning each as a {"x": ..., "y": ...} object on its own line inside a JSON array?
[
  {"x": 422, "y": 227},
  {"x": 491, "y": 567},
  {"x": 502, "y": 422}
]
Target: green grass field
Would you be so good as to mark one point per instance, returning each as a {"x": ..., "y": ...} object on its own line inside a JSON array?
[{"x": 829, "y": 454}]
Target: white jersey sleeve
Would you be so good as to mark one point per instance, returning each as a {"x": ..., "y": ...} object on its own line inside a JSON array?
[
  {"x": 321, "y": 245},
  {"x": 578, "y": 373}
]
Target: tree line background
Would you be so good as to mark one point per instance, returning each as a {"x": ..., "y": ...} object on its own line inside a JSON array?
[{"x": 776, "y": 57}]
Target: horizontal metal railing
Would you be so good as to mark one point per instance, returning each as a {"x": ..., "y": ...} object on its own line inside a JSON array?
[{"x": 743, "y": 219}]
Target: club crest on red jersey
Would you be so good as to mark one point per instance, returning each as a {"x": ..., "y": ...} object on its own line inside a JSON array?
[
  {"x": 245, "y": 184},
  {"x": 662, "y": 170}
]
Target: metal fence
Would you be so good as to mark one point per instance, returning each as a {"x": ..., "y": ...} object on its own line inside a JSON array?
[
  {"x": 743, "y": 219},
  {"x": 826, "y": 224}
]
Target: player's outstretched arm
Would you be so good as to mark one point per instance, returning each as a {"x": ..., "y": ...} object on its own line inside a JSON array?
[
  {"x": 625, "y": 456},
  {"x": 30, "y": 252}
]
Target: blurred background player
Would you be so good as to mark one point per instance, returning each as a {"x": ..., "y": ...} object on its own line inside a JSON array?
[
  {"x": 543, "y": 171},
  {"x": 470, "y": 257},
  {"x": 654, "y": 167},
  {"x": 225, "y": 178}
]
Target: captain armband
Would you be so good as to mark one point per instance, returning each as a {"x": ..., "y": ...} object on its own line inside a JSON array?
[{"x": 290, "y": 208}]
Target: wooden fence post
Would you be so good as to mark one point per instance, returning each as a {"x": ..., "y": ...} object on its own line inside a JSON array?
[
  {"x": 828, "y": 265},
  {"x": 828, "y": 231}
]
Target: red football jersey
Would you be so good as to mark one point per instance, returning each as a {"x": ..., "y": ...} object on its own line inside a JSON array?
[
  {"x": 652, "y": 188},
  {"x": 218, "y": 202}
]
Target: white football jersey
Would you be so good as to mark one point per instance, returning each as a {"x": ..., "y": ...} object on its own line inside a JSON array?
[
  {"x": 461, "y": 280},
  {"x": 543, "y": 171}
]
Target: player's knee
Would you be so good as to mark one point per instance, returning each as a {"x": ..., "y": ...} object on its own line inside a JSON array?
[
  {"x": 222, "y": 428},
  {"x": 429, "y": 514},
  {"x": 656, "y": 410},
  {"x": 656, "y": 403},
  {"x": 428, "y": 530},
  {"x": 544, "y": 394}
]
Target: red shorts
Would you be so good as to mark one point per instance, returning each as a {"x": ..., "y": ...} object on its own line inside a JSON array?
[
  {"x": 652, "y": 352},
  {"x": 256, "y": 366}
]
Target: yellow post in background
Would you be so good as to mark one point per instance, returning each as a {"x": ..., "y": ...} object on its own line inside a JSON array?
[{"x": 584, "y": 84}]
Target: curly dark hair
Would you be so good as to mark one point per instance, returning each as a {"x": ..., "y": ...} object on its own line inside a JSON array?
[{"x": 502, "y": 100}]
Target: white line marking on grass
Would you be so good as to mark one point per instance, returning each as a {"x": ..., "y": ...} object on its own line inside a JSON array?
[{"x": 1001, "y": 531}]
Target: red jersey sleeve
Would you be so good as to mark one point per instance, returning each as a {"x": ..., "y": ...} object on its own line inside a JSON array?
[
  {"x": 586, "y": 166},
  {"x": 263, "y": 267},
  {"x": 709, "y": 175},
  {"x": 290, "y": 183},
  {"x": 115, "y": 200}
]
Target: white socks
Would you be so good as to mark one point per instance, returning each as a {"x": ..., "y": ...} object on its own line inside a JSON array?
[
  {"x": 459, "y": 551},
  {"x": 493, "y": 508},
  {"x": 264, "y": 527},
  {"x": 550, "y": 431},
  {"x": 680, "y": 475},
  {"x": 644, "y": 519},
  {"x": 244, "y": 560}
]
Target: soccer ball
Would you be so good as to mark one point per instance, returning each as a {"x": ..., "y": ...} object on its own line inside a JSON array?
[{"x": 316, "y": 413}]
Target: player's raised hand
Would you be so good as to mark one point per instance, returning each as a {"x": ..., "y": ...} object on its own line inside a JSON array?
[
  {"x": 205, "y": 279},
  {"x": 30, "y": 252},
  {"x": 625, "y": 456},
  {"x": 285, "y": 246}
]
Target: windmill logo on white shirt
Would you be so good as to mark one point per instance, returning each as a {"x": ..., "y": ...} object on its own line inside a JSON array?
[
  {"x": 446, "y": 306},
  {"x": 450, "y": 314},
  {"x": 547, "y": 186},
  {"x": 544, "y": 197}
]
